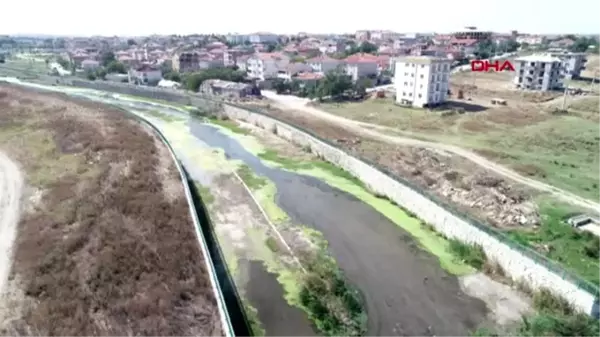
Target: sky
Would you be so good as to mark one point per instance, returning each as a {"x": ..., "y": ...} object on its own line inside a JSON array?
[{"x": 137, "y": 17}]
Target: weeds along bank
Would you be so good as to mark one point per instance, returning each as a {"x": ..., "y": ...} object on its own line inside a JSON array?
[
  {"x": 521, "y": 264},
  {"x": 106, "y": 219}
]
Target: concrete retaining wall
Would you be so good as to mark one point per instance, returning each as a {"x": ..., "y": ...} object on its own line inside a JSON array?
[{"x": 520, "y": 263}]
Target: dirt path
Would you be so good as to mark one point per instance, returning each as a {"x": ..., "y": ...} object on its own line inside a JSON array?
[
  {"x": 11, "y": 184},
  {"x": 299, "y": 104}
]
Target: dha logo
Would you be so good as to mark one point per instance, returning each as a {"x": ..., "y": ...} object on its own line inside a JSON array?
[{"x": 485, "y": 65}]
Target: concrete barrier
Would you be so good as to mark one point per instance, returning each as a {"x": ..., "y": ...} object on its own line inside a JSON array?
[{"x": 520, "y": 263}]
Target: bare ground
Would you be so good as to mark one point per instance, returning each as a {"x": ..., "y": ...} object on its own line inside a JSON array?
[
  {"x": 464, "y": 184},
  {"x": 101, "y": 248}
]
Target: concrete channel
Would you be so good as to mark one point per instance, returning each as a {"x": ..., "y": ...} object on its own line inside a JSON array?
[{"x": 405, "y": 289}]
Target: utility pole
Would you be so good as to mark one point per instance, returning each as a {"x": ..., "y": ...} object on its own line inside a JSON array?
[{"x": 564, "y": 103}]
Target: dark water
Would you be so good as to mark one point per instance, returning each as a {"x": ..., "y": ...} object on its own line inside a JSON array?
[{"x": 276, "y": 315}]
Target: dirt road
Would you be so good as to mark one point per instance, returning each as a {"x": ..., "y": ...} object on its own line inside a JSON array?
[
  {"x": 11, "y": 184},
  {"x": 299, "y": 104}
]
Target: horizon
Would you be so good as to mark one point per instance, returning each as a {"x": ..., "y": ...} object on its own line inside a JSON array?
[{"x": 58, "y": 18}]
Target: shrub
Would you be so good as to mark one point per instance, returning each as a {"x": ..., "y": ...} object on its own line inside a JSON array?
[{"x": 472, "y": 255}]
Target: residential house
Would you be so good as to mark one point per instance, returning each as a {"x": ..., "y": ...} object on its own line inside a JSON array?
[
  {"x": 225, "y": 88},
  {"x": 262, "y": 66},
  {"x": 466, "y": 46},
  {"x": 79, "y": 56},
  {"x": 362, "y": 65},
  {"x": 531, "y": 39},
  {"x": 186, "y": 62},
  {"x": 422, "y": 81},
  {"x": 293, "y": 69},
  {"x": 90, "y": 65},
  {"x": 210, "y": 61},
  {"x": 540, "y": 72},
  {"x": 308, "y": 79},
  {"x": 145, "y": 75},
  {"x": 362, "y": 35},
  {"x": 242, "y": 62},
  {"x": 562, "y": 43},
  {"x": 331, "y": 47},
  {"x": 323, "y": 63}
]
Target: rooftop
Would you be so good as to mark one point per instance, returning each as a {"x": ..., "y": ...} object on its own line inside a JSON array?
[
  {"x": 538, "y": 58},
  {"x": 422, "y": 59}
]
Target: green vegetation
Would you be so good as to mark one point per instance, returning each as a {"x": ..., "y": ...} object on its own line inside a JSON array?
[
  {"x": 291, "y": 164},
  {"x": 252, "y": 180},
  {"x": 472, "y": 255},
  {"x": 229, "y": 124},
  {"x": 336, "y": 85},
  {"x": 330, "y": 301},
  {"x": 207, "y": 197},
  {"x": 193, "y": 81},
  {"x": 554, "y": 317},
  {"x": 252, "y": 318},
  {"x": 163, "y": 116},
  {"x": 574, "y": 249}
]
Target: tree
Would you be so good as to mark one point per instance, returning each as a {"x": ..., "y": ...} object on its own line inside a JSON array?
[
  {"x": 131, "y": 42},
  {"x": 192, "y": 82},
  {"x": 107, "y": 58},
  {"x": 583, "y": 43},
  {"x": 368, "y": 47},
  {"x": 172, "y": 76},
  {"x": 271, "y": 47},
  {"x": 281, "y": 86},
  {"x": 116, "y": 67},
  {"x": 334, "y": 84},
  {"x": 63, "y": 62}
]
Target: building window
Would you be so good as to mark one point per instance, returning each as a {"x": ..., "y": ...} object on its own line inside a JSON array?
[
  {"x": 420, "y": 95},
  {"x": 403, "y": 94},
  {"x": 410, "y": 94},
  {"x": 421, "y": 75},
  {"x": 405, "y": 83},
  {"x": 412, "y": 75}
]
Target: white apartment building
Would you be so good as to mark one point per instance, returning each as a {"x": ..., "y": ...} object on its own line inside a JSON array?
[
  {"x": 263, "y": 66},
  {"x": 421, "y": 81},
  {"x": 538, "y": 72}
]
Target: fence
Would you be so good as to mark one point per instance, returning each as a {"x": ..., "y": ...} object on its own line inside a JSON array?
[{"x": 587, "y": 293}]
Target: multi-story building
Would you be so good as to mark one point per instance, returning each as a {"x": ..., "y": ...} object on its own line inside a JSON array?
[
  {"x": 422, "y": 81},
  {"x": 186, "y": 62},
  {"x": 237, "y": 38},
  {"x": 572, "y": 63},
  {"x": 145, "y": 74},
  {"x": 263, "y": 38},
  {"x": 264, "y": 66},
  {"x": 538, "y": 72}
]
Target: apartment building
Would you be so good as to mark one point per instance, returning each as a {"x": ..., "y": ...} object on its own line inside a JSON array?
[
  {"x": 572, "y": 63},
  {"x": 262, "y": 66},
  {"x": 186, "y": 62},
  {"x": 263, "y": 38},
  {"x": 422, "y": 81},
  {"x": 538, "y": 72},
  {"x": 323, "y": 63}
]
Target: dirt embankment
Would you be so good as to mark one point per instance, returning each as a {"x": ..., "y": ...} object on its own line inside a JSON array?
[
  {"x": 468, "y": 187},
  {"x": 105, "y": 244}
]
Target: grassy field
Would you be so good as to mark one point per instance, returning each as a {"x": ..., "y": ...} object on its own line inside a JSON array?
[
  {"x": 562, "y": 150},
  {"x": 105, "y": 244}
]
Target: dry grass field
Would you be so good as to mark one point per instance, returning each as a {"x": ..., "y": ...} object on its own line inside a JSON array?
[{"x": 105, "y": 244}]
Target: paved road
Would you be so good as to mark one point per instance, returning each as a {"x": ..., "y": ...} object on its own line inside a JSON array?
[
  {"x": 299, "y": 104},
  {"x": 11, "y": 185}
]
